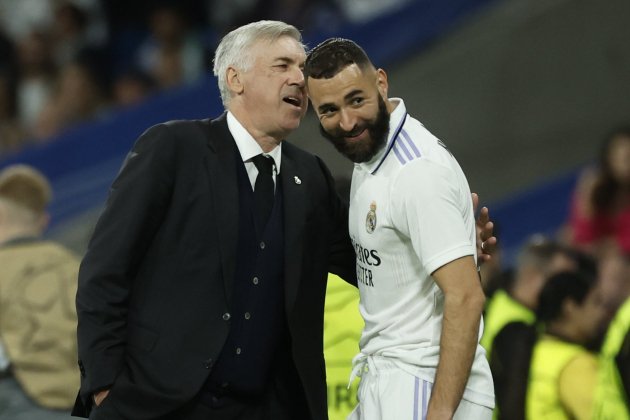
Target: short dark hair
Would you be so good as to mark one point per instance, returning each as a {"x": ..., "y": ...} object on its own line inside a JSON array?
[
  {"x": 333, "y": 55},
  {"x": 560, "y": 287}
]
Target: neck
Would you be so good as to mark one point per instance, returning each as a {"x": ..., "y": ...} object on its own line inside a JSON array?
[
  {"x": 521, "y": 295},
  {"x": 566, "y": 331},
  {"x": 266, "y": 141},
  {"x": 14, "y": 232}
]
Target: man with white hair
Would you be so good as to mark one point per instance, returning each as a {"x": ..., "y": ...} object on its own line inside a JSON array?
[{"x": 202, "y": 291}]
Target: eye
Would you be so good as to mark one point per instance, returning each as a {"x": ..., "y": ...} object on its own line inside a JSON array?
[
  {"x": 281, "y": 66},
  {"x": 356, "y": 101},
  {"x": 327, "y": 111}
]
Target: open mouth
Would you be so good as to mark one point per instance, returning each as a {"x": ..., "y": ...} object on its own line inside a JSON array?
[
  {"x": 293, "y": 100},
  {"x": 355, "y": 135}
]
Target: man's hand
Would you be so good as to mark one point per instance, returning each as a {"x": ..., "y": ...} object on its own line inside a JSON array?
[
  {"x": 100, "y": 396},
  {"x": 486, "y": 241}
]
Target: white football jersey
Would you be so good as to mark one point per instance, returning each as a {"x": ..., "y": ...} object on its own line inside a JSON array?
[{"x": 411, "y": 213}]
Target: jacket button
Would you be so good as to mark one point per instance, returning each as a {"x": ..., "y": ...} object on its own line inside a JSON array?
[
  {"x": 208, "y": 363},
  {"x": 226, "y": 316}
]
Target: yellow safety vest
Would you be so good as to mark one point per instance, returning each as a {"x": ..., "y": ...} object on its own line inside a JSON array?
[
  {"x": 342, "y": 330},
  {"x": 610, "y": 400},
  {"x": 501, "y": 310},
  {"x": 549, "y": 357}
]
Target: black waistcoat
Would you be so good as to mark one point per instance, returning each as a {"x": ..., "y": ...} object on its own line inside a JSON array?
[{"x": 257, "y": 318}]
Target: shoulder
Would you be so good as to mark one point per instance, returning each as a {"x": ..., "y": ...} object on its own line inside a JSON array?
[
  {"x": 180, "y": 139},
  {"x": 295, "y": 152},
  {"x": 186, "y": 131},
  {"x": 305, "y": 160},
  {"x": 418, "y": 144}
]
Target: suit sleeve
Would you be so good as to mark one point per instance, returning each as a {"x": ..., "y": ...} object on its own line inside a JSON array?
[
  {"x": 342, "y": 259},
  {"x": 138, "y": 199}
]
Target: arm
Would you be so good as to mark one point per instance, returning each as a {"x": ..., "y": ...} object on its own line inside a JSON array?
[
  {"x": 135, "y": 207},
  {"x": 463, "y": 303}
]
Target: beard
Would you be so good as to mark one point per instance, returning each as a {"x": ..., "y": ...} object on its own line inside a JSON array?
[{"x": 363, "y": 150}]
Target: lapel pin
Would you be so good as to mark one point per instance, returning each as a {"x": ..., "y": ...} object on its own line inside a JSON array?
[{"x": 297, "y": 180}]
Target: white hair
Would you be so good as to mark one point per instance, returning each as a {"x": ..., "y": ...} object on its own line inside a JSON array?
[{"x": 234, "y": 48}]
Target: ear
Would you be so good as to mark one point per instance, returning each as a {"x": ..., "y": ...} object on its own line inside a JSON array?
[
  {"x": 569, "y": 307},
  {"x": 233, "y": 80},
  {"x": 381, "y": 82}
]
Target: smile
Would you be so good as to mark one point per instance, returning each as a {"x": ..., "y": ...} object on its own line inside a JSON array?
[{"x": 356, "y": 136}]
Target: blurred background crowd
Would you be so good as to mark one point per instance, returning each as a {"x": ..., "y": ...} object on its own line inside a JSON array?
[
  {"x": 531, "y": 96},
  {"x": 67, "y": 61}
]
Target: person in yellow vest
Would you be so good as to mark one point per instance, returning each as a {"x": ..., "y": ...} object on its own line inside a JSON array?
[
  {"x": 38, "y": 283},
  {"x": 613, "y": 380},
  {"x": 538, "y": 259},
  {"x": 342, "y": 330},
  {"x": 562, "y": 373}
]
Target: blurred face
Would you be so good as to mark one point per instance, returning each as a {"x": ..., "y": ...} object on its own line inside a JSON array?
[
  {"x": 590, "y": 315},
  {"x": 619, "y": 158},
  {"x": 352, "y": 111},
  {"x": 560, "y": 262},
  {"x": 272, "y": 92}
]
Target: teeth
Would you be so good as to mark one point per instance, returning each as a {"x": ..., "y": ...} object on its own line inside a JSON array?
[{"x": 293, "y": 100}]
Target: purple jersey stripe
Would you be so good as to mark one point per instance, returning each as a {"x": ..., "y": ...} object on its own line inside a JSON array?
[
  {"x": 401, "y": 159},
  {"x": 411, "y": 143},
  {"x": 415, "y": 398},
  {"x": 425, "y": 403},
  {"x": 401, "y": 145}
]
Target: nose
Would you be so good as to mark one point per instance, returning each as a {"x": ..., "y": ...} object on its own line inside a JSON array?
[
  {"x": 297, "y": 77},
  {"x": 347, "y": 120}
]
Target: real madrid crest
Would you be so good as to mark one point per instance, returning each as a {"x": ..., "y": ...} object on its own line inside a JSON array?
[{"x": 370, "y": 220}]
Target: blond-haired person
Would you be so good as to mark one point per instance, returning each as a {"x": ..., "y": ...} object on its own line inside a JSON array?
[{"x": 37, "y": 316}]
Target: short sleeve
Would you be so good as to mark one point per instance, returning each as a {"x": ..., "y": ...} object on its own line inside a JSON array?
[{"x": 427, "y": 206}]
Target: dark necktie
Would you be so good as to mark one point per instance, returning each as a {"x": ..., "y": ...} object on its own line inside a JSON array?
[{"x": 263, "y": 189}]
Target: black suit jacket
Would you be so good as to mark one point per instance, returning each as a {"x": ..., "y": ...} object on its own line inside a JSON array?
[{"x": 155, "y": 284}]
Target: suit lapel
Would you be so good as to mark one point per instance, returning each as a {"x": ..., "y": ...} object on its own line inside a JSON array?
[
  {"x": 294, "y": 215},
  {"x": 221, "y": 165}
]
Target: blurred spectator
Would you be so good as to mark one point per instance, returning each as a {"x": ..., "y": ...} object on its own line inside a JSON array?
[
  {"x": 563, "y": 373},
  {"x": 172, "y": 54},
  {"x": 366, "y": 10},
  {"x": 132, "y": 87},
  {"x": 613, "y": 381},
  {"x": 342, "y": 330},
  {"x": 19, "y": 18},
  {"x": 38, "y": 284},
  {"x": 35, "y": 78},
  {"x": 10, "y": 133},
  {"x": 81, "y": 94},
  {"x": 77, "y": 25},
  {"x": 538, "y": 260},
  {"x": 600, "y": 214},
  {"x": 225, "y": 15},
  {"x": 614, "y": 279}
]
